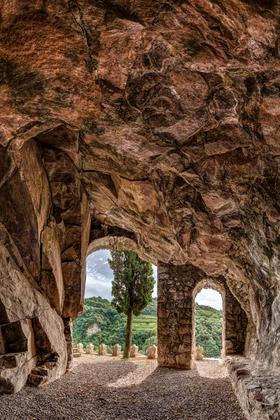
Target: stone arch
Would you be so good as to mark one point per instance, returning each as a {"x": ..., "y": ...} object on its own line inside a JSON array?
[
  {"x": 177, "y": 286},
  {"x": 114, "y": 242},
  {"x": 209, "y": 283},
  {"x": 108, "y": 238},
  {"x": 102, "y": 236},
  {"x": 235, "y": 321},
  {"x": 111, "y": 237}
]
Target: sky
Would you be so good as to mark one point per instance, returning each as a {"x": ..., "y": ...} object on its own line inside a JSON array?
[
  {"x": 209, "y": 297},
  {"x": 100, "y": 276}
]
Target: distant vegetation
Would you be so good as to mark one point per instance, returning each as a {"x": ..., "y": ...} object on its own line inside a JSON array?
[
  {"x": 208, "y": 329},
  {"x": 108, "y": 326}
]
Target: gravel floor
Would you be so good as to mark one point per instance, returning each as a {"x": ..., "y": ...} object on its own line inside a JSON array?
[{"x": 106, "y": 389}]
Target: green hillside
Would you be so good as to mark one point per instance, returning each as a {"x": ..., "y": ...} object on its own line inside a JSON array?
[
  {"x": 208, "y": 329},
  {"x": 100, "y": 322}
]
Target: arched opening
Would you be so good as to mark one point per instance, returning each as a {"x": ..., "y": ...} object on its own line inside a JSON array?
[
  {"x": 220, "y": 323},
  {"x": 100, "y": 323},
  {"x": 209, "y": 324}
]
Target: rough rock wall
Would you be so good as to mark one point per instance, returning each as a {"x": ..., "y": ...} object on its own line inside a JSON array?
[
  {"x": 165, "y": 114},
  {"x": 31, "y": 320},
  {"x": 44, "y": 233},
  {"x": 177, "y": 289}
]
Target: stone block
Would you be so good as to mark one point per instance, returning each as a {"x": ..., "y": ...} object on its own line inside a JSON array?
[
  {"x": 116, "y": 350},
  {"x": 90, "y": 348},
  {"x": 80, "y": 348},
  {"x": 102, "y": 351},
  {"x": 133, "y": 351},
  {"x": 199, "y": 353},
  {"x": 152, "y": 352}
]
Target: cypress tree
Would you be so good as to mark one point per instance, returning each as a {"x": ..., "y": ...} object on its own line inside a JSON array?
[{"x": 132, "y": 287}]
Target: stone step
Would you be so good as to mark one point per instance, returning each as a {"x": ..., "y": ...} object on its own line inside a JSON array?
[
  {"x": 35, "y": 380},
  {"x": 40, "y": 370},
  {"x": 38, "y": 375}
]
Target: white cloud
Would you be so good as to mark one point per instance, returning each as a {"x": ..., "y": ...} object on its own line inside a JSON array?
[
  {"x": 210, "y": 297},
  {"x": 100, "y": 276},
  {"x": 155, "y": 277}
]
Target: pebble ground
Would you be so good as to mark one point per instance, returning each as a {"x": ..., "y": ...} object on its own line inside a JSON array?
[{"x": 102, "y": 388}]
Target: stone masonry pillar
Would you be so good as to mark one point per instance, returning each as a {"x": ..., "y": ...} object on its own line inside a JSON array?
[
  {"x": 175, "y": 314},
  {"x": 235, "y": 325}
]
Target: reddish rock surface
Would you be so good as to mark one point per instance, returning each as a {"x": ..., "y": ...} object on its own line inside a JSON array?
[{"x": 159, "y": 122}]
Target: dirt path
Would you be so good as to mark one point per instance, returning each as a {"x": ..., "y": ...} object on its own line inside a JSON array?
[{"x": 105, "y": 389}]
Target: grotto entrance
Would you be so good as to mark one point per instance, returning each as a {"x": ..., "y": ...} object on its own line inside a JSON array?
[
  {"x": 99, "y": 326},
  {"x": 208, "y": 341},
  {"x": 100, "y": 329}
]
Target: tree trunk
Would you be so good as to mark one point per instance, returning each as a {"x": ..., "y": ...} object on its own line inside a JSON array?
[{"x": 128, "y": 334}]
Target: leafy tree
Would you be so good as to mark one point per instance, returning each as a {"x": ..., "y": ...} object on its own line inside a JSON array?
[
  {"x": 209, "y": 325},
  {"x": 132, "y": 287},
  {"x": 112, "y": 326}
]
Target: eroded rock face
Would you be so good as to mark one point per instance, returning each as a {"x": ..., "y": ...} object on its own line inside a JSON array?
[{"x": 159, "y": 122}]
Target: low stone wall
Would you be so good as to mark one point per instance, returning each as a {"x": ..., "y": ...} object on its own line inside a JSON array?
[
  {"x": 78, "y": 350},
  {"x": 257, "y": 388}
]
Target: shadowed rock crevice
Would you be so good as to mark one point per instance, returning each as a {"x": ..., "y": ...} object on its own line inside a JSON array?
[
  {"x": 46, "y": 357},
  {"x": 14, "y": 340}
]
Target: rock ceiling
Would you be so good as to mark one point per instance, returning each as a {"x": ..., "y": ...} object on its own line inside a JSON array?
[{"x": 169, "y": 110}]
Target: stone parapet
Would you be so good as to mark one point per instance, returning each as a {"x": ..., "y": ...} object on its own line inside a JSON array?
[
  {"x": 102, "y": 351},
  {"x": 257, "y": 388},
  {"x": 90, "y": 348},
  {"x": 116, "y": 350},
  {"x": 133, "y": 351},
  {"x": 152, "y": 352}
]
